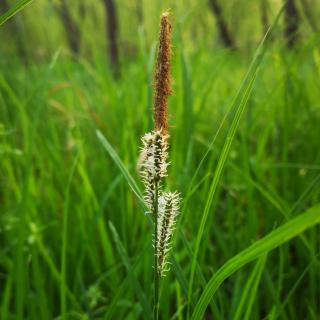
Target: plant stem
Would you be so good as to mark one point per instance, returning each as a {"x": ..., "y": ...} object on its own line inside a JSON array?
[{"x": 156, "y": 274}]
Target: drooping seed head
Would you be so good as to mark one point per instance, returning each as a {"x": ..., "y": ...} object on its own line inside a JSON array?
[{"x": 162, "y": 82}]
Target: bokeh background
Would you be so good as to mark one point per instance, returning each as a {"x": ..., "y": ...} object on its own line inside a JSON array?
[
  {"x": 90, "y": 29},
  {"x": 75, "y": 242}
]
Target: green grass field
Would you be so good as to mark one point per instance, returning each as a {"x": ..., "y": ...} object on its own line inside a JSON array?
[{"x": 75, "y": 242}]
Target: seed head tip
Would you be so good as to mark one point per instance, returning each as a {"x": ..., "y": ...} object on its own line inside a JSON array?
[{"x": 162, "y": 80}]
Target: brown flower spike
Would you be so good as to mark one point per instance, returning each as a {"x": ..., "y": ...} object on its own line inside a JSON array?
[{"x": 162, "y": 76}]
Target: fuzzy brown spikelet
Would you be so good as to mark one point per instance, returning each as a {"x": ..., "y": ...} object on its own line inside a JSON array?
[{"x": 162, "y": 76}]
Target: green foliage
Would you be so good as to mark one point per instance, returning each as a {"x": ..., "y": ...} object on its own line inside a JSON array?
[
  {"x": 271, "y": 241},
  {"x": 75, "y": 242}
]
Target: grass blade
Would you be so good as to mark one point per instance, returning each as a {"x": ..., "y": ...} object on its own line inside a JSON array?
[
  {"x": 273, "y": 240},
  {"x": 118, "y": 294},
  {"x": 294, "y": 288},
  {"x": 137, "y": 192},
  {"x": 249, "y": 292},
  {"x": 14, "y": 10},
  {"x": 237, "y": 109},
  {"x": 63, "y": 285},
  {"x": 127, "y": 264},
  {"x": 120, "y": 165},
  {"x": 216, "y": 179}
]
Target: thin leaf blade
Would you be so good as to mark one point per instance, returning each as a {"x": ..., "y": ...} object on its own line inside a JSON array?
[
  {"x": 14, "y": 10},
  {"x": 273, "y": 240}
]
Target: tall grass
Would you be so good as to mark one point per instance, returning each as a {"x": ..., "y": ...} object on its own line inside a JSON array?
[{"x": 74, "y": 240}]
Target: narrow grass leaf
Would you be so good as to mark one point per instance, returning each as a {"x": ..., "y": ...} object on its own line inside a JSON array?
[
  {"x": 216, "y": 179},
  {"x": 13, "y": 10},
  {"x": 125, "y": 260},
  {"x": 63, "y": 285},
  {"x": 250, "y": 289},
  {"x": 273, "y": 240},
  {"x": 54, "y": 271},
  {"x": 7, "y": 297},
  {"x": 237, "y": 109},
  {"x": 113, "y": 154},
  {"x": 118, "y": 294},
  {"x": 294, "y": 288},
  {"x": 253, "y": 290}
]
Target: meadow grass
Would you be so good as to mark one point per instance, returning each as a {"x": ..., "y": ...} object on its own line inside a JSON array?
[{"x": 75, "y": 242}]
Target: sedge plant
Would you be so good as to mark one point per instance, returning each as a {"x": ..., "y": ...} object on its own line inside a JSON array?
[{"x": 163, "y": 206}]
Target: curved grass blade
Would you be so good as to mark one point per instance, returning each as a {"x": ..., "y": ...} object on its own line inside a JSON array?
[
  {"x": 250, "y": 290},
  {"x": 273, "y": 240},
  {"x": 216, "y": 179},
  {"x": 120, "y": 165},
  {"x": 14, "y": 10},
  {"x": 294, "y": 288},
  {"x": 125, "y": 259},
  {"x": 118, "y": 294},
  {"x": 55, "y": 272},
  {"x": 63, "y": 284},
  {"x": 237, "y": 110}
]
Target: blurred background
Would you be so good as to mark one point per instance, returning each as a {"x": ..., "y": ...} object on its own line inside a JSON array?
[
  {"x": 119, "y": 30},
  {"x": 70, "y": 67}
]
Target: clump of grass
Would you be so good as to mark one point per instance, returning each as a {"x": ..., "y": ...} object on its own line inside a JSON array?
[{"x": 153, "y": 163}]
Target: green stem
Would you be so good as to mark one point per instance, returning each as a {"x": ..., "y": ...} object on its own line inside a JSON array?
[{"x": 156, "y": 273}]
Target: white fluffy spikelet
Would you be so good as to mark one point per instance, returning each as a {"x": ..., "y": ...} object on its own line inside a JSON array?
[
  {"x": 167, "y": 212},
  {"x": 153, "y": 162}
]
